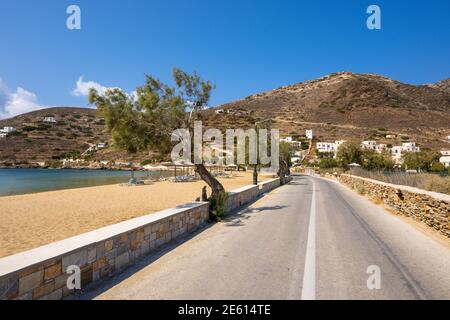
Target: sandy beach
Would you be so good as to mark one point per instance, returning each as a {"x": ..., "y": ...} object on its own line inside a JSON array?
[{"x": 32, "y": 220}]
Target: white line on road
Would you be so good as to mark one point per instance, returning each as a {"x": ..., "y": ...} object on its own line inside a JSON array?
[{"x": 309, "y": 274}]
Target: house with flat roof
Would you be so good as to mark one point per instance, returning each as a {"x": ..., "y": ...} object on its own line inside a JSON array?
[
  {"x": 329, "y": 147},
  {"x": 49, "y": 120},
  {"x": 291, "y": 141},
  {"x": 445, "y": 161},
  {"x": 309, "y": 134},
  {"x": 369, "y": 145},
  {"x": 8, "y": 130}
]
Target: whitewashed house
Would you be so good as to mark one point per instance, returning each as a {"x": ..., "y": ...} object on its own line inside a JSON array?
[
  {"x": 325, "y": 147},
  {"x": 219, "y": 111},
  {"x": 8, "y": 130},
  {"x": 380, "y": 147},
  {"x": 445, "y": 152},
  {"x": 397, "y": 154},
  {"x": 49, "y": 120},
  {"x": 369, "y": 145},
  {"x": 309, "y": 134},
  {"x": 102, "y": 145},
  {"x": 291, "y": 141},
  {"x": 410, "y": 147},
  {"x": 445, "y": 161},
  {"x": 3, "y": 135},
  {"x": 397, "y": 151},
  {"x": 329, "y": 147}
]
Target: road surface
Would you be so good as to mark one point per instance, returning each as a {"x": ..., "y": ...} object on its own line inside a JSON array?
[{"x": 310, "y": 239}]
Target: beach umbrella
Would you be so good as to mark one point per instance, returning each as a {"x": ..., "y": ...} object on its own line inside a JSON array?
[{"x": 354, "y": 165}]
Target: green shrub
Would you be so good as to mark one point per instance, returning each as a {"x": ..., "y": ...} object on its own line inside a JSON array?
[
  {"x": 218, "y": 207},
  {"x": 328, "y": 163}
]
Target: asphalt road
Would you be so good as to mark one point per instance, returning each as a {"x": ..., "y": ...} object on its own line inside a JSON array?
[{"x": 310, "y": 239}]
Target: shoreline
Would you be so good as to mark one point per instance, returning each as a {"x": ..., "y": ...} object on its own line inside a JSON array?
[{"x": 32, "y": 220}]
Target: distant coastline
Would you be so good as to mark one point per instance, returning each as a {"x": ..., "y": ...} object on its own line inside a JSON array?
[{"x": 18, "y": 181}]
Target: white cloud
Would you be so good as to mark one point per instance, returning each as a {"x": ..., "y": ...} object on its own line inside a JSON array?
[
  {"x": 82, "y": 87},
  {"x": 13, "y": 103}
]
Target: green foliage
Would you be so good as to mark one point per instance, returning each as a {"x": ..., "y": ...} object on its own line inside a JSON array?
[
  {"x": 29, "y": 128},
  {"x": 372, "y": 160},
  {"x": 348, "y": 153},
  {"x": 438, "y": 167},
  {"x": 43, "y": 127},
  {"x": 148, "y": 121},
  {"x": 146, "y": 162},
  {"x": 328, "y": 163},
  {"x": 218, "y": 207},
  {"x": 420, "y": 160}
]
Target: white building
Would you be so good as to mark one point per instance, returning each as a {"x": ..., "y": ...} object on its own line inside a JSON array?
[
  {"x": 49, "y": 120},
  {"x": 410, "y": 147},
  {"x": 102, "y": 145},
  {"x": 309, "y": 134},
  {"x": 369, "y": 145},
  {"x": 373, "y": 145},
  {"x": 397, "y": 154},
  {"x": 380, "y": 147},
  {"x": 323, "y": 147},
  {"x": 295, "y": 160},
  {"x": 445, "y": 152},
  {"x": 329, "y": 147},
  {"x": 397, "y": 151},
  {"x": 291, "y": 141},
  {"x": 220, "y": 111},
  {"x": 8, "y": 130},
  {"x": 445, "y": 161},
  {"x": 3, "y": 135}
]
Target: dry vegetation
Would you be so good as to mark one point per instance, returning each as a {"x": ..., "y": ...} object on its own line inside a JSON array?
[{"x": 426, "y": 181}]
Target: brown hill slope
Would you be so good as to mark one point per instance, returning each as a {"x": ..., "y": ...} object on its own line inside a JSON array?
[
  {"x": 346, "y": 105},
  {"x": 338, "y": 106},
  {"x": 74, "y": 131}
]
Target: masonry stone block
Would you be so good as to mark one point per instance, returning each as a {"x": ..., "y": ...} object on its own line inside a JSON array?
[{"x": 30, "y": 282}]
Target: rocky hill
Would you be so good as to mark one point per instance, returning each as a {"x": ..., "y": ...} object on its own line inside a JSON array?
[
  {"x": 338, "y": 106},
  {"x": 36, "y": 140},
  {"x": 349, "y": 106}
]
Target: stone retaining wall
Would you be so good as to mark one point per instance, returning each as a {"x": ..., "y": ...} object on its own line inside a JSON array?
[
  {"x": 41, "y": 273},
  {"x": 430, "y": 208}
]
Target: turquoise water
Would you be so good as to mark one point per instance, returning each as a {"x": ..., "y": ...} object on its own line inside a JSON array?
[{"x": 21, "y": 181}]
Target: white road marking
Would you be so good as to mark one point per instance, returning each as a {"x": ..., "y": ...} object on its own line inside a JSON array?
[{"x": 309, "y": 275}]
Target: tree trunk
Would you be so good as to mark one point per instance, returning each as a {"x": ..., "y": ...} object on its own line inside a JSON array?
[
  {"x": 283, "y": 170},
  {"x": 212, "y": 182}
]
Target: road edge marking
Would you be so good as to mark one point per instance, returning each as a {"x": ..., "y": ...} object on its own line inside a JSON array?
[{"x": 309, "y": 273}]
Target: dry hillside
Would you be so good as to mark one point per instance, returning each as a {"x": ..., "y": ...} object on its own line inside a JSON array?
[{"x": 338, "y": 106}]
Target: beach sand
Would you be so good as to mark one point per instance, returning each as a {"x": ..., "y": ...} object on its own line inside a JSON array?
[{"x": 32, "y": 220}]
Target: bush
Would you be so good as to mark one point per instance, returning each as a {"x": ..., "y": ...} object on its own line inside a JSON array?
[
  {"x": 29, "y": 128},
  {"x": 420, "y": 160},
  {"x": 372, "y": 160},
  {"x": 218, "y": 207},
  {"x": 328, "y": 163},
  {"x": 349, "y": 153},
  {"x": 145, "y": 162},
  {"x": 438, "y": 167}
]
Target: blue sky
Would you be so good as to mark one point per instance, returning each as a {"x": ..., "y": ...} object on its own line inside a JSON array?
[{"x": 243, "y": 46}]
